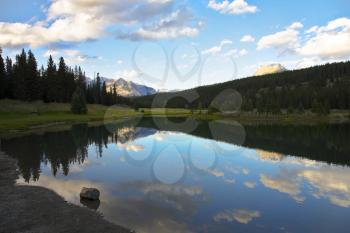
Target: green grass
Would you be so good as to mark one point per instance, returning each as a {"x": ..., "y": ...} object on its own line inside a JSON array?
[{"x": 18, "y": 115}]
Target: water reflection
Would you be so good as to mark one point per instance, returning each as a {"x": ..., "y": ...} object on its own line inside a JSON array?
[
  {"x": 161, "y": 180},
  {"x": 242, "y": 216}
]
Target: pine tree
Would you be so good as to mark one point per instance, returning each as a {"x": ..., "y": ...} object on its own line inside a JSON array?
[
  {"x": 104, "y": 96},
  {"x": 32, "y": 81},
  {"x": 50, "y": 84},
  {"x": 9, "y": 78},
  {"x": 115, "y": 95},
  {"x": 2, "y": 77},
  {"x": 98, "y": 89},
  {"x": 20, "y": 73},
  {"x": 78, "y": 104},
  {"x": 62, "y": 82}
]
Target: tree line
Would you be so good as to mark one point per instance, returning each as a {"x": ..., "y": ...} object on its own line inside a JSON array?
[
  {"x": 319, "y": 89},
  {"x": 22, "y": 80}
]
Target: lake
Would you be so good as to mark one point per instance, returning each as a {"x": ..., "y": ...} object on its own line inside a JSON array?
[{"x": 182, "y": 175}]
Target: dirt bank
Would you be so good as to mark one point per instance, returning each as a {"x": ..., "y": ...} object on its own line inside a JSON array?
[{"x": 28, "y": 209}]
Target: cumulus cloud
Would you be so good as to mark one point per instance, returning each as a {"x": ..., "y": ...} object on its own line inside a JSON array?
[
  {"x": 131, "y": 147},
  {"x": 175, "y": 25},
  {"x": 129, "y": 74},
  {"x": 235, "y": 7},
  {"x": 72, "y": 55},
  {"x": 285, "y": 182},
  {"x": 235, "y": 53},
  {"x": 282, "y": 41},
  {"x": 240, "y": 215},
  {"x": 317, "y": 44},
  {"x": 247, "y": 38},
  {"x": 78, "y": 20},
  {"x": 250, "y": 184},
  {"x": 328, "y": 182},
  {"x": 330, "y": 41},
  {"x": 217, "y": 49}
]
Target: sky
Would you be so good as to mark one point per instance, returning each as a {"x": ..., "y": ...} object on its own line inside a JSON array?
[{"x": 178, "y": 44}]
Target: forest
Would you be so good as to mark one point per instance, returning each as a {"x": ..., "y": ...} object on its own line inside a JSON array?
[
  {"x": 22, "y": 80},
  {"x": 319, "y": 88}
]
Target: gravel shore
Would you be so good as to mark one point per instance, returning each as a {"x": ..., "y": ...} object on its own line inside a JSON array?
[{"x": 29, "y": 209}]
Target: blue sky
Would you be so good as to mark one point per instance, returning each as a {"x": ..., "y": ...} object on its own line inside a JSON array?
[{"x": 177, "y": 44}]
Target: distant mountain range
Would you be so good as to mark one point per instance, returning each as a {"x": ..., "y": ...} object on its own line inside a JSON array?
[{"x": 128, "y": 88}]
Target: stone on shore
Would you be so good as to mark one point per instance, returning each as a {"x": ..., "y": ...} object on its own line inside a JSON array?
[{"x": 90, "y": 194}]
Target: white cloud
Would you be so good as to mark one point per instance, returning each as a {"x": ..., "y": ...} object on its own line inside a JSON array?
[
  {"x": 285, "y": 182},
  {"x": 328, "y": 182},
  {"x": 282, "y": 41},
  {"x": 217, "y": 49},
  {"x": 235, "y": 7},
  {"x": 51, "y": 52},
  {"x": 234, "y": 53},
  {"x": 240, "y": 215},
  {"x": 317, "y": 44},
  {"x": 131, "y": 147},
  {"x": 170, "y": 27},
  {"x": 120, "y": 62},
  {"x": 247, "y": 38},
  {"x": 77, "y": 20},
  {"x": 330, "y": 41},
  {"x": 296, "y": 25},
  {"x": 129, "y": 75},
  {"x": 71, "y": 52},
  {"x": 250, "y": 184}
]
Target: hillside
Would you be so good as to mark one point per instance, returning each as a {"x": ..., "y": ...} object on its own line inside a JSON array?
[{"x": 319, "y": 88}]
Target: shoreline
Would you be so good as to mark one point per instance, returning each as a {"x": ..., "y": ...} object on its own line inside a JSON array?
[
  {"x": 25, "y": 208},
  {"x": 244, "y": 119}
]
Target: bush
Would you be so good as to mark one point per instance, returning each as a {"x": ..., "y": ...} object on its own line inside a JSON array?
[
  {"x": 212, "y": 110},
  {"x": 78, "y": 105}
]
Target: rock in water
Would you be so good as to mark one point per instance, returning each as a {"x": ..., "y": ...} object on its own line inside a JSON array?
[{"x": 90, "y": 193}]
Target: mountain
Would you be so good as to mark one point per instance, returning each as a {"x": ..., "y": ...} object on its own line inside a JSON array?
[
  {"x": 270, "y": 69},
  {"x": 127, "y": 88}
]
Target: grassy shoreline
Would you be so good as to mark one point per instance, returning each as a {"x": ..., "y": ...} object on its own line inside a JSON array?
[{"x": 19, "y": 117}]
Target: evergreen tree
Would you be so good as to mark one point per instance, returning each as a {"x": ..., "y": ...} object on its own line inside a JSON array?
[
  {"x": 115, "y": 95},
  {"x": 62, "y": 82},
  {"x": 98, "y": 89},
  {"x": 32, "y": 81},
  {"x": 104, "y": 96},
  {"x": 9, "y": 78},
  {"x": 20, "y": 73},
  {"x": 78, "y": 104},
  {"x": 2, "y": 77},
  {"x": 50, "y": 84}
]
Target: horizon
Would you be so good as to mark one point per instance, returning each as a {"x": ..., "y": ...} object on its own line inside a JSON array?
[{"x": 174, "y": 44}]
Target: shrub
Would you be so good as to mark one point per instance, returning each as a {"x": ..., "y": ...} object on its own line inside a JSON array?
[{"x": 78, "y": 104}]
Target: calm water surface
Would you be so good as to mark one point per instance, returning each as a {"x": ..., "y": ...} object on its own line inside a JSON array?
[{"x": 156, "y": 177}]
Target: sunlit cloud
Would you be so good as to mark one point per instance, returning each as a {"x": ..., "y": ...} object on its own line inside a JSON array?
[
  {"x": 77, "y": 21},
  {"x": 240, "y": 215},
  {"x": 236, "y": 7}
]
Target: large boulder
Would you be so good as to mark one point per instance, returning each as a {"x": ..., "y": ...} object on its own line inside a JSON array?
[{"x": 90, "y": 194}]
